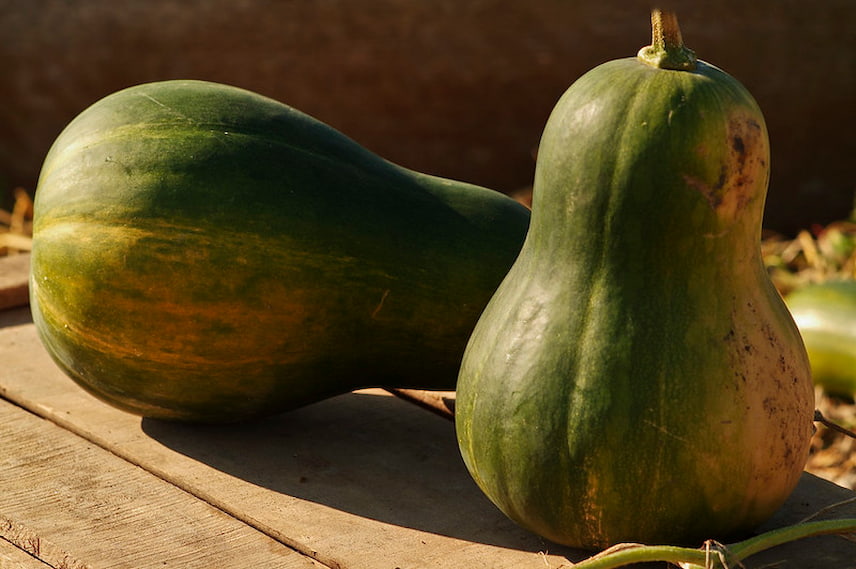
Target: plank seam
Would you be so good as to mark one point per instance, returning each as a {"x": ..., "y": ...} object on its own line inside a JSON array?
[
  {"x": 46, "y": 415},
  {"x": 37, "y": 547}
]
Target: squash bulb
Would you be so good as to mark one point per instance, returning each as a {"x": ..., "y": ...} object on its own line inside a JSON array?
[
  {"x": 202, "y": 253},
  {"x": 636, "y": 376}
]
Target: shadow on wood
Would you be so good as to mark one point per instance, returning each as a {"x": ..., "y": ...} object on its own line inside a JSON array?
[{"x": 358, "y": 453}]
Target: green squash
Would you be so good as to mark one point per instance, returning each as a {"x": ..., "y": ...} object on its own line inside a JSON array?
[
  {"x": 203, "y": 253},
  {"x": 636, "y": 377},
  {"x": 825, "y": 314}
]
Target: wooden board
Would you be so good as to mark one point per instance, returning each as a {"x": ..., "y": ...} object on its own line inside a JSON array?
[
  {"x": 361, "y": 481},
  {"x": 13, "y": 557},
  {"x": 72, "y": 504}
]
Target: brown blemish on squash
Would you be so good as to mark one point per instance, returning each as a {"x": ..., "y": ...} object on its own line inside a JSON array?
[{"x": 743, "y": 172}]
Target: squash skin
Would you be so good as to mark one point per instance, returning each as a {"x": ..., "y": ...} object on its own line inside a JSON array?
[
  {"x": 202, "y": 253},
  {"x": 636, "y": 377},
  {"x": 825, "y": 314}
]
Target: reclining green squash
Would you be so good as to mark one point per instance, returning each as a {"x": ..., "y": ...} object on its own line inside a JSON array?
[{"x": 203, "y": 253}]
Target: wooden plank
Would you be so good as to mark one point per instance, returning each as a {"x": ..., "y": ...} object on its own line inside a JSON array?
[
  {"x": 819, "y": 500},
  {"x": 33, "y": 543},
  {"x": 364, "y": 480},
  {"x": 74, "y": 505},
  {"x": 14, "y": 272},
  {"x": 13, "y": 557}
]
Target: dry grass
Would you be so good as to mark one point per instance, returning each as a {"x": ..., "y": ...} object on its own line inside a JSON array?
[
  {"x": 16, "y": 226},
  {"x": 814, "y": 256}
]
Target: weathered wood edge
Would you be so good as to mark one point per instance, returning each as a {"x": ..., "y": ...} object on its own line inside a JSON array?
[
  {"x": 36, "y": 546},
  {"x": 66, "y": 500},
  {"x": 14, "y": 557}
]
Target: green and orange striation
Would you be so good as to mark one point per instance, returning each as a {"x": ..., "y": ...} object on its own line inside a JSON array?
[{"x": 204, "y": 253}]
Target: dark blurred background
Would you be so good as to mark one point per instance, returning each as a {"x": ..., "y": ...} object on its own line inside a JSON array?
[{"x": 457, "y": 88}]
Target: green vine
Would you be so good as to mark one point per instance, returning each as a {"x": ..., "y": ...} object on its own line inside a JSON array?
[{"x": 713, "y": 555}]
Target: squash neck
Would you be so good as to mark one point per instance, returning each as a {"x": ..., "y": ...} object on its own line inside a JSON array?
[{"x": 667, "y": 49}]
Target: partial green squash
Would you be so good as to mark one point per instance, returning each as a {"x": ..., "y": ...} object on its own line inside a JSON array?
[
  {"x": 204, "y": 253},
  {"x": 636, "y": 377},
  {"x": 825, "y": 314}
]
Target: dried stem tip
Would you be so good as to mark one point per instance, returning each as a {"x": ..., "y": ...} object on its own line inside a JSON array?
[{"x": 667, "y": 50}]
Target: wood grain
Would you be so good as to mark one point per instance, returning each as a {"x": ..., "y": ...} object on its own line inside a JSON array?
[
  {"x": 13, "y": 557},
  {"x": 74, "y": 505},
  {"x": 364, "y": 480}
]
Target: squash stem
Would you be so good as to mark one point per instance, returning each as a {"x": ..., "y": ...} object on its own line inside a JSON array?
[
  {"x": 667, "y": 49},
  {"x": 714, "y": 555}
]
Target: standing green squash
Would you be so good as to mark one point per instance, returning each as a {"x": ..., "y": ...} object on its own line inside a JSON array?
[
  {"x": 203, "y": 253},
  {"x": 636, "y": 377}
]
